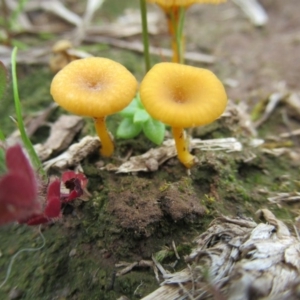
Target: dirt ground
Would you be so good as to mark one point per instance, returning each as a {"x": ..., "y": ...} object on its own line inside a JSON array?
[
  {"x": 130, "y": 218},
  {"x": 257, "y": 58}
]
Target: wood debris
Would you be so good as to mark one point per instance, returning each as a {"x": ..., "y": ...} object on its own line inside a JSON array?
[
  {"x": 75, "y": 154},
  {"x": 152, "y": 159},
  {"x": 285, "y": 197},
  {"x": 128, "y": 267},
  {"x": 273, "y": 102},
  {"x": 294, "y": 155},
  {"x": 61, "y": 136},
  {"x": 254, "y": 11},
  {"x": 236, "y": 258}
]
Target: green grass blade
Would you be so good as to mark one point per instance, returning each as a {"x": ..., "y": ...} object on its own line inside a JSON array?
[
  {"x": 2, "y": 136},
  {"x": 27, "y": 143},
  {"x": 143, "y": 8},
  {"x": 3, "y": 79},
  {"x": 179, "y": 34}
]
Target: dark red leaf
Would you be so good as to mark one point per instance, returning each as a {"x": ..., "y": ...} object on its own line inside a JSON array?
[
  {"x": 18, "y": 188},
  {"x": 69, "y": 175},
  {"x": 53, "y": 205},
  {"x": 37, "y": 220}
]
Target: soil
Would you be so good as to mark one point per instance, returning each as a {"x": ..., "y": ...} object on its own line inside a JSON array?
[
  {"x": 257, "y": 58},
  {"x": 131, "y": 217}
]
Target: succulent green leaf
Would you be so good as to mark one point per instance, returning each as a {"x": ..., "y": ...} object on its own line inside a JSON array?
[
  {"x": 128, "y": 129},
  {"x": 154, "y": 130},
  {"x": 141, "y": 116},
  {"x": 3, "y": 79},
  {"x": 130, "y": 110},
  {"x": 139, "y": 102}
]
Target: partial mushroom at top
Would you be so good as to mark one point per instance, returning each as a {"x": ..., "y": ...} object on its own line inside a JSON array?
[{"x": 175, "y": 14}]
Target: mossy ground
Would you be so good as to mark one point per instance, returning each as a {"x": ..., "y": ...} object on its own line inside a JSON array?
[{"x": 131, "y": 217}]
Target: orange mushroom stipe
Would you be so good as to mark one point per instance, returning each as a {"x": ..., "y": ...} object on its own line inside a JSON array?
[
  {"x": 94, "y": 87},
  {"x": 182, "y": 96},
  {"x": 172, "y": 9}
]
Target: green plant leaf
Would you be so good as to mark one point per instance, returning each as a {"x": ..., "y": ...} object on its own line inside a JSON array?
[
  {"x": 139, "y": 102},
  {"x": 3, "y": 79},
  {"x": 154, "y": 130},
  {"x": 130, "y": 110},
  {"x": 26, "y": 141},
  {"x": 127, "y": 129},
  {"x": 141, "y": 116}
]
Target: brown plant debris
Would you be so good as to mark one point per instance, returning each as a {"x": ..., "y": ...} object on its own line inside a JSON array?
[
  {"x": 152, "y": 159},
  {"x": 238, "y": 259},
  {"x": 285, "y": 197}
]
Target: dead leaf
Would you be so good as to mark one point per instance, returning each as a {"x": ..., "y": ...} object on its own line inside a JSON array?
[{"x": 236, "y": 258}]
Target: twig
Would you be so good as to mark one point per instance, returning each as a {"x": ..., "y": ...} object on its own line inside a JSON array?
[
  {"x": 138, "y": 47},
  {"x": 175, "y": 250}
]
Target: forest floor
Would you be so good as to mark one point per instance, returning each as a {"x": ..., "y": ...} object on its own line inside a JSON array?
[{"x": 130, "y": 217}]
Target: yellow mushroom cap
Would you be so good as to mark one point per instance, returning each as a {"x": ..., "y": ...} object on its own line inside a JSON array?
[
  {"x": 169, "y": 3},
  {"x": 182, "y": 96},
  {"x": 93, "y": 86}
]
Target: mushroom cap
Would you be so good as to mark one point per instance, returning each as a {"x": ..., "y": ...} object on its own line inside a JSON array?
[
  {"x": 182, "y": 96},
  {"x": 61, "y": 46},
  {"x": 93, "y": 86},
  {"x": 169, "y": 3}
]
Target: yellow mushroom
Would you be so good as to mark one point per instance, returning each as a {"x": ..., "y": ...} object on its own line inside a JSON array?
[
  {"x": 95, "y": 87},
  {"x": 182, "y": 96}
]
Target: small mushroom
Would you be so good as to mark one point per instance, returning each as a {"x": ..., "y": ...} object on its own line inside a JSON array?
[
  {"x": 182, "y": 96},
  {"x": 95, "y": 87}
]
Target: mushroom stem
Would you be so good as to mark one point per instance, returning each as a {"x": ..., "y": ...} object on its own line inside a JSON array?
[
  {"x": 182, "y": 148},
  {"x": 175, "y": 18},
  {"x": 107, "y": 148}
]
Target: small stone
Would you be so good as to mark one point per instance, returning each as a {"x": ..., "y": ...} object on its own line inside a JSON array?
[
  {"x": 72, "y": 252},
  {"x": 123, "y": 298},
  {"x": 15, "y": 294}
]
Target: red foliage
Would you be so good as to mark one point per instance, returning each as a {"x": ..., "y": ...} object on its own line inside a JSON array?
[
  {"x": 19, "y": 199},
  {"x": 18, "y": 188},
  {"x": 52, "y": 208},
  {"x": 75, "y": 182}
]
